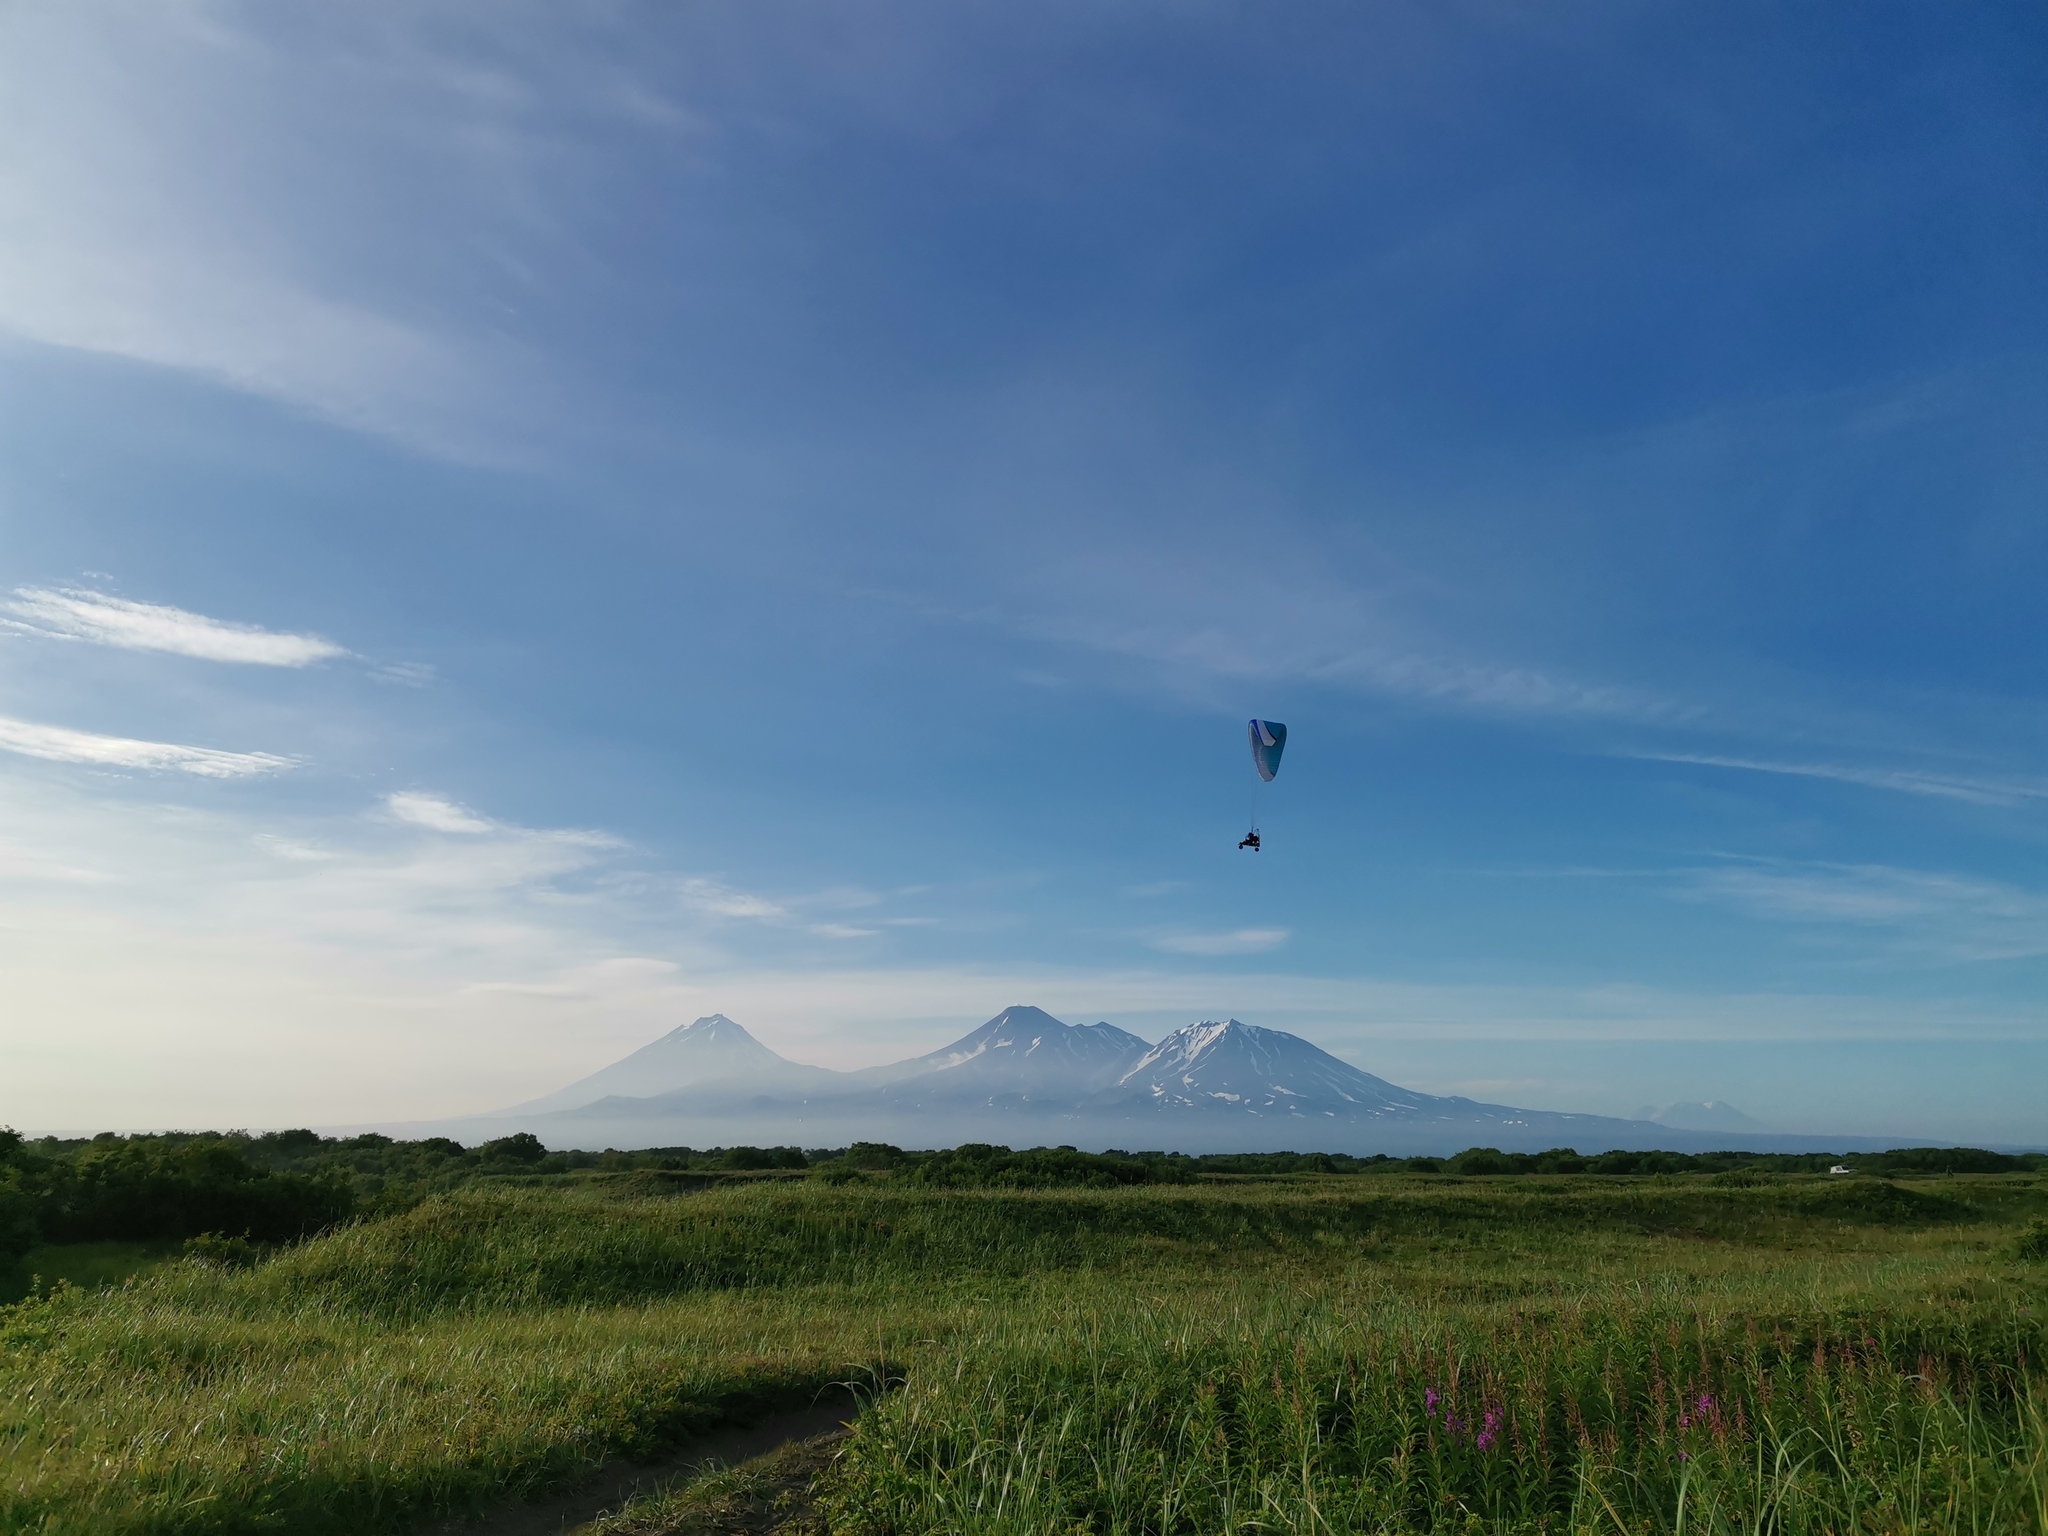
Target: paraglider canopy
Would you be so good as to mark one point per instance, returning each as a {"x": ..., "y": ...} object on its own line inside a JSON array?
[{"x": 1269, "y": 739}]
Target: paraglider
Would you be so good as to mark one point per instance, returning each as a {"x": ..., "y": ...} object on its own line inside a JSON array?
[{"x": 1269, "y": 739}]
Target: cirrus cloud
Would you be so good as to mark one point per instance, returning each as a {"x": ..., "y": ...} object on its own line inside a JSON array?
[
  {"x": 60, "y": 744},
  {"x": 70, "y": 613}
]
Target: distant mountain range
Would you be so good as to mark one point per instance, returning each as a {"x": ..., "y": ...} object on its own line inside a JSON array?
[{"x": 1026, "y": 1078}]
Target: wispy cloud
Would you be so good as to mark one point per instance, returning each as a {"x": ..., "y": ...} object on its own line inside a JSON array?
[
  {"x": 434, "y": 812},
  {"x": 1222, "y": 651},
  {"x": 73, "y": 614},
  {"x": 1976, "y": 791},
  {"x": 1328, "y": 615},
  {"x": 1153, "y": 888},
  {"x": 1241, "y": 941},
  {"x": 720, "y": 900},
  {"x": 1520, "y": 690},
  {"x": 58, "y": 744},
  {"x": 1928, "y": 914},
  {"x": 133, "y": 234}
]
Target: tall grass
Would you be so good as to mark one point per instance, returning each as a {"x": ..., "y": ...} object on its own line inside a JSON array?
[
  {"x": 1355, "y": 1412},
  {"x": 1150, "y": 1359}
]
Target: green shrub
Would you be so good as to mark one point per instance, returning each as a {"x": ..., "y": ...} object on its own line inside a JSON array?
[
  {"x": 225, "y": 1252},
  {"x": 19, "y": 1227}
]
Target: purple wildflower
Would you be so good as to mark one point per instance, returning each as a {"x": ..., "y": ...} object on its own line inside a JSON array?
[{"x": 1429, "y": 1401}]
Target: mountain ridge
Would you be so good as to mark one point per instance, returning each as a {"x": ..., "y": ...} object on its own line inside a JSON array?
[{"x": 1027, "y": 1076}]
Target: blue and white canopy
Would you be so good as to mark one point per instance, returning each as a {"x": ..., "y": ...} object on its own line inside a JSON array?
[{"x": 1269, "y": 739}]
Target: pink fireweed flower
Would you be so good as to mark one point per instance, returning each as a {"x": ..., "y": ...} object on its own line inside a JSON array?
[
  {"x": 1429, "y": 1401},
  {"x": 1489, "y": 1435}
]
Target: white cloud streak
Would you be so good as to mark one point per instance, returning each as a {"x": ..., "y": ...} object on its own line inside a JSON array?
[
  {"x": 718, "y": 900},
  {"x": 58, "y": 744},
  {"x": 1975, "y": 791},
  {"x": 1326, "y": 615},
  {"x": 73, "y": 614},
  {"x": 1241, "y": 941},
  {"x": 434, "y": 813}
]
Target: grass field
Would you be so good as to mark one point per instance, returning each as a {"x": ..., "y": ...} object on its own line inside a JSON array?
[{"x": 1311, "y": 1354}]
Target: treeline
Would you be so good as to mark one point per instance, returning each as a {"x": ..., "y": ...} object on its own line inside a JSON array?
[
  {"x": 139, "y": 1189},
  {"x": 268, "y": 1189},
  {"x": 978, "y": 1165},
  {"x": 993, "y": 1167},
  {"x": 283, "y": 1185},
  {"x": 1900, "y": 1160}
]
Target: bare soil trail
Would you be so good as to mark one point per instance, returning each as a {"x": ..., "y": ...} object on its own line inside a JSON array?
[{"x": 617, "y": 1481}]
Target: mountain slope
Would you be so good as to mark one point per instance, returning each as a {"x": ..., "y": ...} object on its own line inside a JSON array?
[{"x": 706, "y": 1051}]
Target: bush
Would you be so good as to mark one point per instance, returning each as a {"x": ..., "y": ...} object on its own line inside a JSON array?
[
  {"x": 522, "y": 1147},
  {"x": 137, "y": 1190},
  {"x": 752, "y": 1159},
  {"x": 18, "y": 1225},
  {"x": 980, "y": 1166},
  {"x": 223, "y": 1252},
  {"x": 1478, "y": 1160},
  {"x": 2033, "y": 1243}
]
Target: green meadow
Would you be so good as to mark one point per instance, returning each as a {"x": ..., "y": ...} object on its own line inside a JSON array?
[{"x": 1195, "y": 1352}]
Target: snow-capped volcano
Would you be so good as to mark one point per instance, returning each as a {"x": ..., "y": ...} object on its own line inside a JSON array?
[
  {"x": 1229, "y": 1065},
  {"x": 1022, "y": 1051},
  {"x": 708, "y": 1050},
  {"x": 1025, "y": 1043}
]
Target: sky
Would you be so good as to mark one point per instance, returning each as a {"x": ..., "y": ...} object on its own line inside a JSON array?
[{"x": 522, "y": 524}]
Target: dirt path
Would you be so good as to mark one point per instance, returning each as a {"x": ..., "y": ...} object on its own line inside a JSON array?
[{"x": 617, "y": 1481}]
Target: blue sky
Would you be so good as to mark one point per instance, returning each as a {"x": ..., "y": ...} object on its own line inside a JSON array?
[{"x": 524, "y": 524}]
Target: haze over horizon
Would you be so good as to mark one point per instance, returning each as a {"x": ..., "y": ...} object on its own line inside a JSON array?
[{"x": 522, "y": 526}]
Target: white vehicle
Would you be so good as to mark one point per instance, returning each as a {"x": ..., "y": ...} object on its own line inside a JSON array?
[{"x": 1839, "y": 1169}]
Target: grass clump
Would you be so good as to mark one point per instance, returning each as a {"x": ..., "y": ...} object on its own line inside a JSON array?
[{"x": 1364, "y": 1413}]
